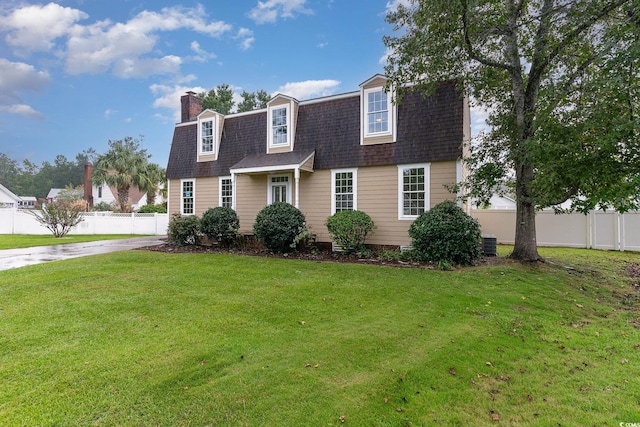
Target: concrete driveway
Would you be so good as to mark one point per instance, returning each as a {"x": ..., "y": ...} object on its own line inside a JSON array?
[{"x": 14, "y": 258}]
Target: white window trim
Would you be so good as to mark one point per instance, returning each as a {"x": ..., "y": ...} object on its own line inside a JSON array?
[
  {"x": 182, "y": 181},
  {"x": 333, "y": 188},
  {"x": 270, "y": 186},
  {"x": 287, "y": 107},
  {"x": 214, "y": 134},
  {"x": 220, "y": 179},
  {"x": 365, "y": 109},
  {"x": 427, "y": 188}
]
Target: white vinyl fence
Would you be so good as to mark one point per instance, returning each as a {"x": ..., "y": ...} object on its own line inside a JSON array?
[
  {"x": 20, "y": 221},
  {"x": 597, "y": 229}
]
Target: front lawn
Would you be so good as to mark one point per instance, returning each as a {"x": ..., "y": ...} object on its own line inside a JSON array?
[
  {"x": 146, "y": 338},
  {"x": 15, "y": 241}
]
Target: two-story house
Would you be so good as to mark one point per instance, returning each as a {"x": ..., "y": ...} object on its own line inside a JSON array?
[{"x": 356, "y": 150}]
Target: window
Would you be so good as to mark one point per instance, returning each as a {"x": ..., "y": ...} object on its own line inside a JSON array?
[
  {"x": 279, "y": 126},
  {"x": 413, "y": 190},
  {"x": 279, "y": 189},
  {"x": 226, "y": 192},
  {"x": 206, "y": 136},
  {"x": 343, "y": 190},
  {"x": 99, "y": 192},
  {"x": 187, "y": 197},
  {"x": 377, "y": 112}
]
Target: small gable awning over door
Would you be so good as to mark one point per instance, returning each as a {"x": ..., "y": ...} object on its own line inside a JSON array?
[
  {"x": 278, "y": 162},
  {"x": 266, "y": 163}
]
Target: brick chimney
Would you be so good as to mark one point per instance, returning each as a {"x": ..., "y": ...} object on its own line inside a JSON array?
[
  {"x": 88, "y": 187},
  {"x": 191, "y": 106}
]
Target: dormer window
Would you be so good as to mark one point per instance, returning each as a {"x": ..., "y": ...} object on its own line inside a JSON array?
[
  {"x": 279, "y": 126},
  {"x": 378, "y": 113},
  {"x": 281, "y": 123},
  {"x": 209, "y": 132},
  {"x": 206, "y": 136}
]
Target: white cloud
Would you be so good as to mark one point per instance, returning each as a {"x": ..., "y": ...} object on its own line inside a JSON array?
[
  {"x": 201, "y": 54},
  {"x": 109, "y": 112},
  {"x": 393, "y": 5},
  {"x": 169, "y": 97},
  {"x": 35, "y": 28},
  {"x": 22, "y": 110},
  {"x": 269, "y": 11},
  {"x": 246, "y": 37},
  {"x": 128, "y": 49},
  {"x": 309, "y": 89},
  {"x": 18, "y": 77}
]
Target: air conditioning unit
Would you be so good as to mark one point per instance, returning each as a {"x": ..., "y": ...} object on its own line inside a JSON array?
[{"x": 489, "y": 245}]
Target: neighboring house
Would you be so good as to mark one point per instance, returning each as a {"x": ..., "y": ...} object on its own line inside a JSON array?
[
  {"x": 53, "y": 193},
  {"x": 8, "y": 199},
  {"x": 356, "y": 150}
]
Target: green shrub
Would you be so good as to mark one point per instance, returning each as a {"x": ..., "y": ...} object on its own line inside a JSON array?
[
  {"x": 277, "y": 226},
  {"x": 221, "y": 224},
  {"x": 446, "y": 234},
  {"x": 184, "y": 230},
  {"x": 349, "y": 229},
  {"x": 102, "y": 207},
  {"x": 153, "y": 209}
]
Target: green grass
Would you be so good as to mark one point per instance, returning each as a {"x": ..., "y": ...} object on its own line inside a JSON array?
[
  {"x": 140, "y": 338},
  {"x": 14, "y": 241}
]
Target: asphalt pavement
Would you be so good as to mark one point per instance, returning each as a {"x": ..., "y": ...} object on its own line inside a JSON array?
[{"x": 14, "y": 258}]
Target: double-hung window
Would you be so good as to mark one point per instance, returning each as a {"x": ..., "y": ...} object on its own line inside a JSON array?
[
  {"x": 187, "y": 197},
  {"x": 413, "y": 190},
  {"x": 343, "y": 190},
  {"x": 206, "y": 136},
  {"x": 226, "y": 192},
  {"x": 279, "y": 128},
  {"x": 377, "y": 115}
]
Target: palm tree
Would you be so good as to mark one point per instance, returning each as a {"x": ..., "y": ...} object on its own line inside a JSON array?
[
  {"x": 122, "y": 167},
  {"x": 154, "y": 177}
]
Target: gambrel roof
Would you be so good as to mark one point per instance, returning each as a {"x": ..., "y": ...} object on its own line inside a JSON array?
[{"x": 429, "y": 129}]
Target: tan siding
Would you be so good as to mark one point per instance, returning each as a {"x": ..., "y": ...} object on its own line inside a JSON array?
[
  {"x": 206, "y": 193},
  {"x": 376, "y": 82},
  {"x": 174, "y": 196},
  {"x": 372, "y": 140},
  {"x": 378, "y": 197},
  {"x": 251, "y": 197},
  {"x": 442, "y": 173},
  {"x": 315, "y": 201}
]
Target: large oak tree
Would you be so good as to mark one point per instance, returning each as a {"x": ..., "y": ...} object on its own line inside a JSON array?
[{"x": 560, "y": 79}]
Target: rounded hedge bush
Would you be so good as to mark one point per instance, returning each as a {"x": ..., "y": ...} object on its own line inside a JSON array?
[
  {"x": 349, "y": 229},
  {"x": 221, "y": 224},
  {"x": 277, "y": 226},
  {"x": 184, "y": 230},
  {"x": 446, "y": 234}
]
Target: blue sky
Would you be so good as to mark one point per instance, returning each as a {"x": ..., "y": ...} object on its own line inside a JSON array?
[{"x": 77, "y": 73}]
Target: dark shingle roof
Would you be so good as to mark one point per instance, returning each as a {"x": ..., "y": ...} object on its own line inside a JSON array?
[{"x": 428, "y": 129}]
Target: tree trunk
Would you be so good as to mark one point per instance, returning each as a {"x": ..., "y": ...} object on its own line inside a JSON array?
[
  {"x": 123, "y": 199},
  {"x": 525, "y": 247}
]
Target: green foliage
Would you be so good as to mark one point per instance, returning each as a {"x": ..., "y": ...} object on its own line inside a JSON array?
[
  {"x": 277, "y": 226},
  {"x": 60, "y": 215},
  {"x": 102, "y": 207},
  {"x": 30, "y": 179},
  {"x": 153, "y": 209},
  {"x": 446, "y": 235},
  {"x": 184, "y": 230},
  {"x": 349, "y": 229},
  {"x": 565, "y": 127},
  {"x": 221, "y": 224},
  {"x": 123, "y": 166},
  {"x": 219, "y": 99}
]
